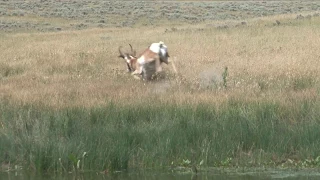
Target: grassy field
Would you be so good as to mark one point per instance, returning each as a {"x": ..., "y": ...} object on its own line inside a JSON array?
[
  {"x": 246, "y": 94},
  {"x": 52, "y": 15}
]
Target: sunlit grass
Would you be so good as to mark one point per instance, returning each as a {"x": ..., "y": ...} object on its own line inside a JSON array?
[{"x": 50, "y": 66}]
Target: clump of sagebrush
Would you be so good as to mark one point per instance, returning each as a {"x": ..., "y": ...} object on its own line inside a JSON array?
[
  {"x": 117, "y": 137},
  {"x": 6, "y": 70},
  {"x": 301, "y": 83}
]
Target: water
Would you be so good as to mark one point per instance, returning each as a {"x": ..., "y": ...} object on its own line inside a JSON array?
[{"x": 169, "y": 175}]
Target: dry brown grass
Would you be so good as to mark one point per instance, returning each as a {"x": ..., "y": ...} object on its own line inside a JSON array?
[{"x": 81, "y": 67}]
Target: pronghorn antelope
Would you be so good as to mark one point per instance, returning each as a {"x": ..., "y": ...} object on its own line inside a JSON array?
[{"x": 148, "y": 62}]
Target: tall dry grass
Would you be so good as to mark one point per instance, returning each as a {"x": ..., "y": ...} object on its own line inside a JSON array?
[{"x": 81, "y": 67}]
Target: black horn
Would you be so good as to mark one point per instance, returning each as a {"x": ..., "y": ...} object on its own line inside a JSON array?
[{"x": 133, "y": 53}]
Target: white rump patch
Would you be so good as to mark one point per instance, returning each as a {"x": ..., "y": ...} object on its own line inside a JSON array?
[{"x": 155, "y": 47}]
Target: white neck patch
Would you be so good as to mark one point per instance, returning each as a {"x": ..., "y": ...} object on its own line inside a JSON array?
[{"x": 127, "y": 60}]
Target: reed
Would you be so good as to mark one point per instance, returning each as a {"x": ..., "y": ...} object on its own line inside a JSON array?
[{"x": 117, "y": 137}]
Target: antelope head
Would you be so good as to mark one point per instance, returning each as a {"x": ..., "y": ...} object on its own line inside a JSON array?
[{"x": 128, "y": 57}]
